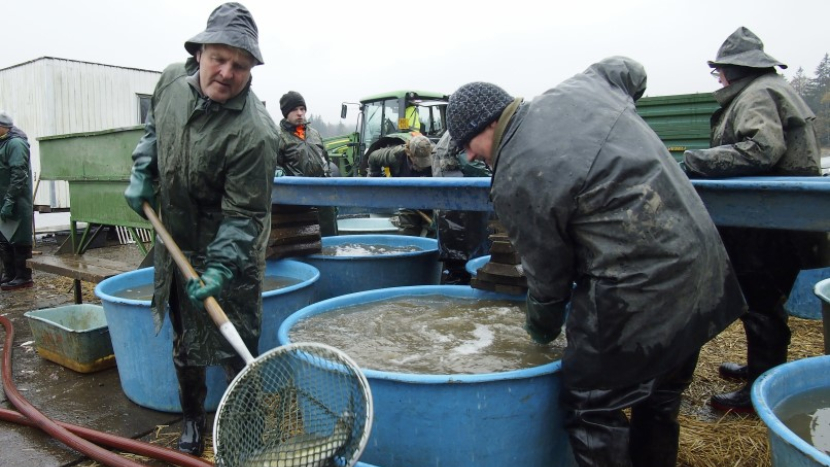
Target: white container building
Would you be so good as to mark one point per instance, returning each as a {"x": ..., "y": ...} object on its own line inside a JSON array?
[{"x": 54, "y": 96}]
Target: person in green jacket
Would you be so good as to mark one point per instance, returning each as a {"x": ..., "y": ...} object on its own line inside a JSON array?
[
  {"x": 462, "y": 235},
  {"x": 763, "y": 128},
  {"x": 301, "y": 153},
  {"x": 207, "y": 162},
  {"x": 15, "y": 206},
  {"x": 411, "y": 158}
]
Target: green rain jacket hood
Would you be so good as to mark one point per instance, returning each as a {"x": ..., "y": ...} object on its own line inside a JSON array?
[
  {"x": 590, "y": 195},
  {"x": 16, "y": 182},
  {"x": 215, "y": 165}
]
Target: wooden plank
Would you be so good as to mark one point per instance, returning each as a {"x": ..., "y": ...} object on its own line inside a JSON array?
[
  {"x": 76, "y": 267},
  {"x": 499, "y": 288}
]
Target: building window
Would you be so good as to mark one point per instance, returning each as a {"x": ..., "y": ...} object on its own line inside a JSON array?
[{"x": 143, "y": 107}]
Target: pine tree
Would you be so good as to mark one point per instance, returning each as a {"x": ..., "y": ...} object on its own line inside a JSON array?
[
  {"x": 818, "y": 98},
  {"x": 800, "y": 82}
]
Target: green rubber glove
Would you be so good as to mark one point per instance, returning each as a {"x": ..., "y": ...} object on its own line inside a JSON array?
[
  {"x": 212, "y": 281},
  {"x": 7, "y": 211},
  {"x": 140, "y": 190},
  {"x": 543, "y": 321}
]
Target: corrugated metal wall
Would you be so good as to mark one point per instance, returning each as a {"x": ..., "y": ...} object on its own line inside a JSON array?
[{"x": 53, "y": 96}]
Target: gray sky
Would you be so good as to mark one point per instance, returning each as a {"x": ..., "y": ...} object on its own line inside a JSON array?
[{"x": 336, "y": 50}]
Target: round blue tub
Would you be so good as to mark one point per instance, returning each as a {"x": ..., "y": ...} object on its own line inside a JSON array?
[
  {"x": 341, "y": 275},
  {"x": 475, "y": 264},
  {"x": 144, "y": 359},
  {"x": 279, "y": 304},
  {"x": 774, "y": 387},
  {"x": 822, "y": 291},
  {"x": 486, "y": 420}
]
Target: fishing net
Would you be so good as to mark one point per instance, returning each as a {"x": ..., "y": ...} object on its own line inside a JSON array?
[{"x": 299, "y": 405}]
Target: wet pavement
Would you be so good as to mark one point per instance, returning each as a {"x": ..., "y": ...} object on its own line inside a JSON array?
[{"x": 92, "y": 400}]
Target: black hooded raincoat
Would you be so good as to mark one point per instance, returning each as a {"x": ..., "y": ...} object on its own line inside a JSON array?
[{"x": 590, "y": 195}]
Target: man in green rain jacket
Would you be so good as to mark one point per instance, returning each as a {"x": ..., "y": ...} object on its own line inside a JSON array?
[
  {"x": 763, "y": 128},
  {"x": 211, "y": 146},
  {"x": 15, "y": 206}
]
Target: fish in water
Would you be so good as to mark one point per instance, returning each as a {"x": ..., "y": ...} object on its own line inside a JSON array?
[{"x": 305, "y": 450}]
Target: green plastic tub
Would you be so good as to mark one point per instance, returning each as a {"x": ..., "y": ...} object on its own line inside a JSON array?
[{"x": 75, "y": 336}]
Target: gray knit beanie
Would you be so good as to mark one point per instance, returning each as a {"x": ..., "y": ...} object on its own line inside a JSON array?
[
  {"x": 472, "y": 107},
  {"x": 6, "y": 120}
]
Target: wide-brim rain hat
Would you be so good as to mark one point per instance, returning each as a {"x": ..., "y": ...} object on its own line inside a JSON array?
[
  {"x": 229, "y": 24},
  {"x": 744, "y": 48}
]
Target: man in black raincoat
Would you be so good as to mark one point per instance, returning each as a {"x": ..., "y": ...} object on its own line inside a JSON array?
[
  {"x": 301, "y": 153},
  {"x": 462, "y": 235},
  {"x": 211, "y": 147},
  {"x": 590, "y": 196},
  {"x": 15, "y": 206},
  {"x": 408, "y": 159},
  {"x": 762, "y": 128}
]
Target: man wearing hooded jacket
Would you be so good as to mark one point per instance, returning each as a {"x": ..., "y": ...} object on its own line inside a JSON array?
[
  {"x": 15, "y": 205},
  {"x": 209, "y": 149},
  {"x": 301, "y": 153},
  {"x": 762, "y": 128},
  {"x": 590, "y": 196}
]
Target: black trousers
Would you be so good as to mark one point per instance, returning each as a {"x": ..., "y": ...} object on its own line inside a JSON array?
[
  {"x": 767, "y": 263},
  {"x": 192, "y": 379},
  {"x": 601, "y": 435}
]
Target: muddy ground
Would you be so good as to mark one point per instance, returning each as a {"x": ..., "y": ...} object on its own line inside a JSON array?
[{"x": 708, "y": 438}]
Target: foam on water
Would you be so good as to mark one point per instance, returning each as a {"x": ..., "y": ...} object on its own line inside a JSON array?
[{"x": 431, "y": 335}]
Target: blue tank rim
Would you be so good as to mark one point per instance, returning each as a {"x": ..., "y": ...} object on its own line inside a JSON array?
[
  {"x": 474, "y": 264},
  {"x": 427, "y": 245},
  {"x": 817, "y": 365},
  {"x": 299, "y": 265},
  {"x": 106, "y": 283},
  {"x": 369, "y": 296},
  {"x": 126, "y": 276},
  {"x": 822, "y": 290}
]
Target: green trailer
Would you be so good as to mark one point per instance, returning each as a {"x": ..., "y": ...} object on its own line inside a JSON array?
[
  {"x": 97, "y": 167},
  {"x": 681, "y": 121}
]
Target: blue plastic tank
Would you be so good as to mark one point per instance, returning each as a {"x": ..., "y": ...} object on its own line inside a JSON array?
[
  {"x": 822, "y": 291},
  {"x": 341, "y": 275},
  {"x": 144, "y": 359},
  {"x": 503, "y": 419},
  {"x": 774, "y": 387},
  {"x": 475, "y": 264},
  {"x": 279, "y": 304}
]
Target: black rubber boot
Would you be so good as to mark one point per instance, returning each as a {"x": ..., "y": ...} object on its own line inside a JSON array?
[
  {"x": 767, "y": 340},
  {"x": 734, "y": 371},
  {"x": 7, "y": 257},
  {"x": 192, "y": 393},
  {"x": 455, "y": 273},
  {"x": 737, "y": 401},
  {"x": 23, "y": 275}
]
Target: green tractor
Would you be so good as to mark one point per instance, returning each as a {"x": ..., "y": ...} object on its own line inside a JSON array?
[{"x": 385, "y": 120}]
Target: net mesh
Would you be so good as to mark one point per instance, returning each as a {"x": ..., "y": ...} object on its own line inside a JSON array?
[{"x": 295, "y": 406}]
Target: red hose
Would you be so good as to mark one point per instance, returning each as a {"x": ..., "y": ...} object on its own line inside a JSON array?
[
  {"x": 116, "y": 442},
  {"x": 64, "y": 432}
]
